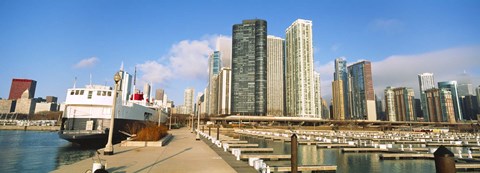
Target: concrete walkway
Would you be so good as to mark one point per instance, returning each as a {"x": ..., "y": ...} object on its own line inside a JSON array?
[{"x": 182, "y": 154}]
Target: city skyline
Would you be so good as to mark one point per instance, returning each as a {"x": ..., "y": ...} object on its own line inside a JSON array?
[{"x": 56, "y": 44}]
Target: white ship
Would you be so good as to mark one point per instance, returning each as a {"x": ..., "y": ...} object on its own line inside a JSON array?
[{"x": 87, "y": 114}]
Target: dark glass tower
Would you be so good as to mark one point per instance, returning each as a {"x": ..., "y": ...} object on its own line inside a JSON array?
[
  {"x": 360, "y": 91},
  {"x": 249, "y": 68}
]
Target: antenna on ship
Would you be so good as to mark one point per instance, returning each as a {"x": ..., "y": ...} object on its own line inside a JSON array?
[
  {"x": 134, "y": 79},
  {"x": 121, "y": 67},
  {"x": 74, "y": 82},
  {"x": 90, "y": 79}
]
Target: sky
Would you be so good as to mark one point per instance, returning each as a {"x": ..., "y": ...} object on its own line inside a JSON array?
[{"x": 56, "y": 41}]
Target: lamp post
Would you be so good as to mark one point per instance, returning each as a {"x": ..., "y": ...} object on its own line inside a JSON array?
[
  {"x": 198, "y": 125},
  {"x": 109, "y": 147}
]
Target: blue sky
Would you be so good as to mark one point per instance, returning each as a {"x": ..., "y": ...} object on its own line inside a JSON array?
[{"x": 54, "y": 41}]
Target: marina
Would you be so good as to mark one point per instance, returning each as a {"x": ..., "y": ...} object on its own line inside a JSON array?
[{"x": 248, "y": 151}]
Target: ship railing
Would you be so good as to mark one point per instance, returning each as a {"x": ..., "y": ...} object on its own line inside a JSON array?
[{"x": 83, "y": 131}]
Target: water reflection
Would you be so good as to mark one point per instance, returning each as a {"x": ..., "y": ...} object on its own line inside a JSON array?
[
  {"x": 68, "y": 154},
  {"x": 35, "y": 151},
  {"x": 346, "y": 162}
]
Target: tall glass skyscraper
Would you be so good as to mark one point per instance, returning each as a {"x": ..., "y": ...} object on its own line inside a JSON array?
[
  {"x": 453, "y": 88},
  {"x": 426, "y": 82},
  {"x": 275, "y": 75},
  {"x": 300, "y": 88},
  {"x": 360, "y": 91},
  {"x": 249, "y": 64},
  {"x": 339, "y": 89},
  {"x": 214, "y": 66}
]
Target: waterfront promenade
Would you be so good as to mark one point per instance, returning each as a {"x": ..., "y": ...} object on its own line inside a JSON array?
[{"x": 182, "y": 154}]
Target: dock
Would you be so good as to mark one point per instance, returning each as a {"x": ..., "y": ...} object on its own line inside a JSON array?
[
  {"x": 313, "y": 168},
  {"x": 253, "y": 150},
  {"x": 357, "y": 150},
  {"x": 467, "y": 167},
  {"x": 405, "y": 156},
  {"x": 340, "y": 145},
  {"x": 242, "y": 145},
  {"x": 266, "y": 156}
]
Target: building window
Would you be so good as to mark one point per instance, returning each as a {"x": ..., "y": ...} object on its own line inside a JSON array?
[{"x": 90, "y": 93}]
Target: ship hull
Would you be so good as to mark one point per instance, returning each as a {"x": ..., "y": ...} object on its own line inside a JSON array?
[{"x": 74, "y": 130}]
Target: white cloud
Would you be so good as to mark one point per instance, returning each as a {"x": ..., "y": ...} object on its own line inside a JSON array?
[
  {"x": 224, "y": 45},
  {"x": 386, "y": 25},
  {"x": 88, "y": 62},
  {"x": 187, "y": 59},
  {"x": 326, "y": 77},
  {"x": 154, "y": 72},
  {"x": 402, "y": 70}
]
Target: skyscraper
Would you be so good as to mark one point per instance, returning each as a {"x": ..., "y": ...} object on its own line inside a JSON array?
[
  {"x": 19, "y": 86},
  {"x": 146, "y": 90},
  {"x": 390, "y": 104},
  {"x": 453, "y": 88},
  {"x": 300, "y": 91},
  {"x": 249, "y": 64},
  {"x": 338, "y": 104},
  {"x": 404, "y": 104},
  {"x": 477, "y": 90},
  {"x": 159, "y": 93},
  {"x": 213, "y": 96},
  {"x": 188, "y": 100},
  {"x": 224, "y": 88},
  {"x": 214, "y": 66},
  {"x": 318, "y": 96},
  {"x": 339, "y": 89},
  {"x": 275, "y": 75},
  {"x": 470, "y": 107},
  {"x": 425, "y": 82},
  {"x": 361, "y": 94},
  {"x": 440, "y": 105},
  {"x": 465, "y": 86}
]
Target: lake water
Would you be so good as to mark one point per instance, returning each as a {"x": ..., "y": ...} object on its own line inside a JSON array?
[
  {"x": 37, "y": 151},
  {"x": 346, "y": 162}
]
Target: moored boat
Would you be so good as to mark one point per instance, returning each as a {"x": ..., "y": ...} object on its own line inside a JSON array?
[{"x": 87, "y": 113}]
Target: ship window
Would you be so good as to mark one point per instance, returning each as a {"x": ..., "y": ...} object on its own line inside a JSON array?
[
  {"x": 109, "y": 93},
  {"x": 77, "y": 91},
  {"x": 82, "y": 92},
  {"x": 72, "y": 92},
  {"x": 104, "y": 93},
  {"x": 90, "y": 94},
  {"x": 99, "y": 93}
]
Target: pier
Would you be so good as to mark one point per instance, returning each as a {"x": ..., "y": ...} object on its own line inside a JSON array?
[{"x": 171, "y": 158}]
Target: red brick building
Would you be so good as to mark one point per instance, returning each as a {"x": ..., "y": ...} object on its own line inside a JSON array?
[{"x": 19, "y": 86}]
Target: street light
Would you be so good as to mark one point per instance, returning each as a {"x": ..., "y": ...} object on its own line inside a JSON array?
[
  {"x": 109, "y": 147},
  {"x": 198, "y": 125}
]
